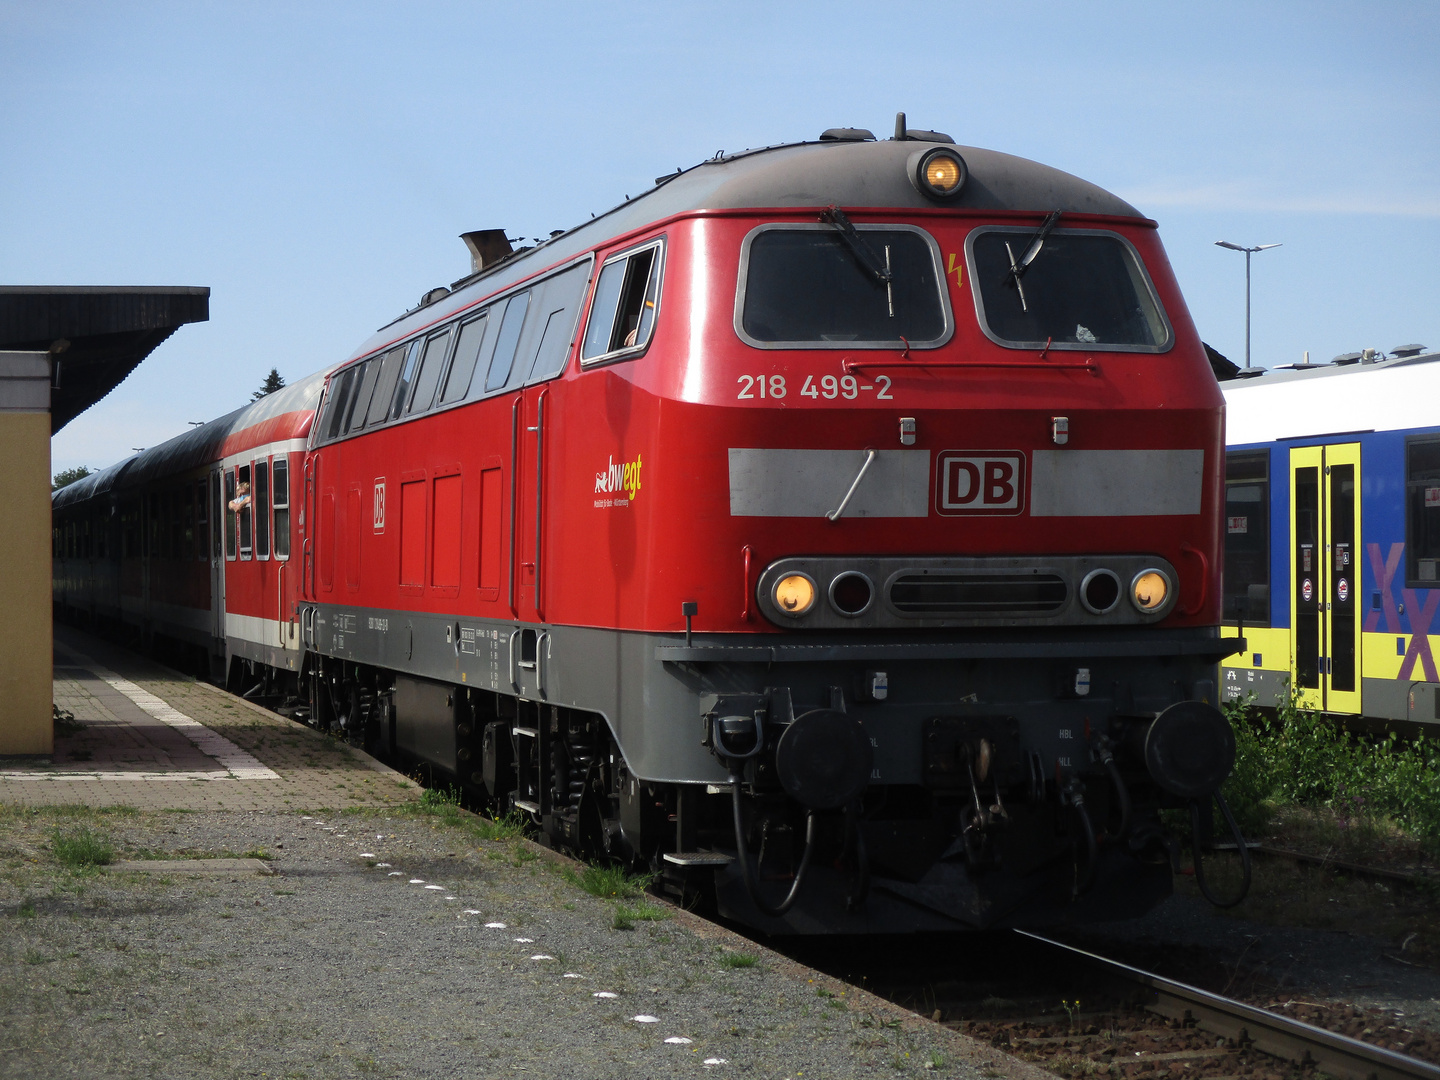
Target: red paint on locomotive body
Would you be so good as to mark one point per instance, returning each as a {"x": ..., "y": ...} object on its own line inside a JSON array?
[{"x": 627, "y": 559}]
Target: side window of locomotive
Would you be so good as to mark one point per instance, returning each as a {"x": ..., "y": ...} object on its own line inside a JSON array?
[
  {"x": 622, "y": 316},
  {"x": 281, "y": 502},
  {"x": 467, "y": 354},
  {"x": 1422, "y": 513},
  {"x": 407, "y": 376},
  {"x": 379, "y": 410},
  {"x": 808, "y": 286},
  {"x": 1082, "y": 289},
  {"x": 436, "y": 348},
  {"x": 337, "y": 404},
  {"x": 509, "y": 339},
  {"x": 1247, "y": 538},
  {"x": 262, "y": 509},
  {"x": 559, "y": 299},
  {"x": 365, "y": 387},
  {"x": 244, "y": 507},
  {"x": 230, "y": 503}
]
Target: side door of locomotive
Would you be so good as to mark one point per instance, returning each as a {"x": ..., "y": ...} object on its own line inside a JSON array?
[{"x": 1324, "y": 617}]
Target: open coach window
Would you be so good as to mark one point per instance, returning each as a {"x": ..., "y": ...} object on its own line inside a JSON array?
[
  {"x": 816, "y": 286},
  {"x": 1066, "y": 288},
  {"x": 1247, "y": 538},
  {"x": 1422, "y": 513},
  {"x": 622, "y": 316}
]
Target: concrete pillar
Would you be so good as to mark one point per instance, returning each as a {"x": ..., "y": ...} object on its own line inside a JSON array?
[{"x": 26, "y": 630}]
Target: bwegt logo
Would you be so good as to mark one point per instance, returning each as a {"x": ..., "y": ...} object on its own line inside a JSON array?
[
  {"x": 620, "y": 476},
  {"x": 989, "y": 482}
]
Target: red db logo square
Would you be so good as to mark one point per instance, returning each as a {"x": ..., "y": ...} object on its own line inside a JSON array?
[{"x": 990, "y": 482}]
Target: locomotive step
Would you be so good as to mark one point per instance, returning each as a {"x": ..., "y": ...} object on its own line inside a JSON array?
[{"x": 698, "y": 858}]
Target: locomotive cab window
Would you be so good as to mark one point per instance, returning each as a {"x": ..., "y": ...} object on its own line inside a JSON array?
[
  {"x": 467, "y": 354},
  {"x": 436, "y": 349},
  {"x": 622, "y": 316},
  {"x": 1247, "y": 538},
  {"x": 1422, "y": 513},
  {"x": 379, "y": 410},
  {"x": 511, "y": 324},
  {"x": 813, "y": 286},
  {"x": 1069, "y": 289}
]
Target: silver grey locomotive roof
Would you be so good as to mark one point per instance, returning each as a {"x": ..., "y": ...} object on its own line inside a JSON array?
[{"x": 814, "y": 174}]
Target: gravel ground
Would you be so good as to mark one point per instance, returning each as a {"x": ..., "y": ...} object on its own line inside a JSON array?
[{"x": 347, "y": 962}]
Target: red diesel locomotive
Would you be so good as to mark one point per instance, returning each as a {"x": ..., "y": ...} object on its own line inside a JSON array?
[{"x": 833, "y": 529}]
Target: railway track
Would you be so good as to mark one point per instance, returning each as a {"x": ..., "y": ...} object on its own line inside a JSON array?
[{"x": 1248, "y": 1026}]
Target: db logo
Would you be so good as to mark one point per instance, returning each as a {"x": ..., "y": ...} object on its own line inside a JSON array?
[{"x": 983, "y": 483}]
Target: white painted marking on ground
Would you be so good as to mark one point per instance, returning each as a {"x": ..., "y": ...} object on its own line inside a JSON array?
[
  {"x": 449, "y": 898},
  {"x": 525, "y": 940},
  {"x": 542, "y": 956},
  {"x": 438, "y": 888},
  {"x": 380, "y": 865},
  {"x": 678, "y": 1040},
  {"x": 370, "y": 855},
  {"x": 237, "y": 763},
  {"x": 417, "y": 881},
  {"x": 395, "y": 873},
  {"x": 572, "y": 975},
  {"x": 645, "y": 1018},
  {"x": 716, "y": 1061},
  {"x": 604, "y": 994},
  {"x": 489, "y": 925}
]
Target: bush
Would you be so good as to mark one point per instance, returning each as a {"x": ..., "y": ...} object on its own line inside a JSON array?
[{"x": 1252, "y": 782}]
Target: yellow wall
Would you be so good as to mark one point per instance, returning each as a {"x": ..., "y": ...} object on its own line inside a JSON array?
[{"x": 26, "y": 659}]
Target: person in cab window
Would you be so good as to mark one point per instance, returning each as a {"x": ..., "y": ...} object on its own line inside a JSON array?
[{"x": 242, "y": 497}]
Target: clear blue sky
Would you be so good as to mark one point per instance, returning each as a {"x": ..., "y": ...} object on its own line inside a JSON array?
[{"x": 314, "y": 163}]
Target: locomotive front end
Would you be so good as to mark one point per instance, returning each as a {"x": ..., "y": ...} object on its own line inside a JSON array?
[{"x": 961, "y": 459}]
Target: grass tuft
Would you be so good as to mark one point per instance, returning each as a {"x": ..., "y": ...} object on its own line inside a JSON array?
[
  {"x": 608, "y": 882},
  {"x": 627, "y": 916},
  {"x": 81, "y": 847},
  {"x": 509, "y": 827},
  {"x": 738, "y": 960}
]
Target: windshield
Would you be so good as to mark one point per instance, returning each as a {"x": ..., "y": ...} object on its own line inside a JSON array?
[
  {"x": 1083, "y": 290},
  {"x": 806, "y": 286}
]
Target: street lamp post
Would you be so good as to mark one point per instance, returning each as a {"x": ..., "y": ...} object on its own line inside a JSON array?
[{"x": 1248, "y": 252}]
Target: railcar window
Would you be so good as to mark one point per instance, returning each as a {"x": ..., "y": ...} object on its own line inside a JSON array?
[
  {"x": 1422, "y": 513},
  {"x": 1082, "y": 290},
  {"x": 282, "y": 508},
  {"x": 508, "y": 341},
  {"x": 384, "y": 393},
  {"x": 808, "y": 287},
  {"x": 462, "y": 368},
  {"x": 244, "y": 500},
  {"x": 622, "y": 315},
  {"x": 202, "y": 523},
  {"x": 188, "y": 529},
  {"x": 262, "y": 508},
  {"x": 360, "y": 403},
  {"x": 434, "y": 359},
  {"x": 1247, "y": 538},
  {"x": 230, "y": 513},
  {"x": 407, "y": 376}
]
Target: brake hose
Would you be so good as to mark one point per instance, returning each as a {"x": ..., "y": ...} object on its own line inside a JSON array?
[
  {"x": 743, "y": 854},
  {"x": 1122, "y": 794},
  {"x": 1239, "y": 845},
  {"x": 862, "y": 858},
  {"x": 1074, "y": 794}
]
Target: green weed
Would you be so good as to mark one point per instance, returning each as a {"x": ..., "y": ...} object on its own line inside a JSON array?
[
  {"x": 509, "y": 827},
  {"x": 738, "y": 960},
  {"x": 608, "y": 882},
  {"x": 626, "y": 916},
  {"x": 81, "y": 847}
]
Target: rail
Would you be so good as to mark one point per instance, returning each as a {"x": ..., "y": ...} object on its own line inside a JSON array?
[{"x": 1271, "y": 1033}]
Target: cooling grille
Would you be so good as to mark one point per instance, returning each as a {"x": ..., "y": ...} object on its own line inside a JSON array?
[{"x": 939, "y": 594}]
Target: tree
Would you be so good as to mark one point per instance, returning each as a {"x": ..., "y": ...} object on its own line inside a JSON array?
[
  {"x": 66, "y": 477},
  {"x": 272, "y": 382}
]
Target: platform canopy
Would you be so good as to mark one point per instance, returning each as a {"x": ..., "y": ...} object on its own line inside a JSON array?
[{"x": 97, "y": 333}]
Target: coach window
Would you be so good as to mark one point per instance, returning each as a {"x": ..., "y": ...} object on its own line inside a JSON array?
[
  {"x": 436, "y": 347},
  {"x": 177, "y": 523},
  {"x": 202, "y": 530},
  {"x": 281, "y": 503},
  {"x": 1422, "y": 513},
  {"x": 244, "y": 503},
  {"x": 407, "y": 376},
  {"x": 188, "y": 530},
  {"x": 559, "y": 301},
  {"x": 467, "y": 354},
  {"x": 622, "y": 315},
  {"x": 509, "y": 339},
  {"x": 1247, "y": 538},
  {"x": 1070, "y": 289},
  {"x": 360, "y": 404},
  {"x": 384, "y": 387},
  {"x": 262, "y": 507}
]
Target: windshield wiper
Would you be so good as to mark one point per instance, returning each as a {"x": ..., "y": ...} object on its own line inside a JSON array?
[
  {"x": 1019, "y": 266},
  {"x": 862, "y": 252}
]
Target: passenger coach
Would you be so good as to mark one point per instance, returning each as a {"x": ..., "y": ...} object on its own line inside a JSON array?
[{"x": 833, "y": 528}]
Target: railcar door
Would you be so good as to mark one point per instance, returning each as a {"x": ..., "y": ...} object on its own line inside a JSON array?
[
  {"x": 1325, "y": 531},
  {"x": 217, "y": 560}
]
